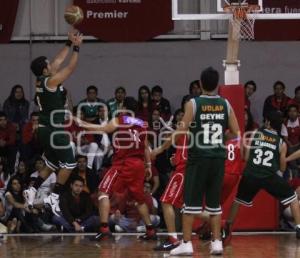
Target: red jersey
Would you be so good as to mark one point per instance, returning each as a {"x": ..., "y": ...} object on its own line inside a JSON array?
[
  {"x": 293, "y": 132},
  {"x": 129, "y": 139},
  {"x": 180, "y": 157},
  {"x": 234, "y": 163}
]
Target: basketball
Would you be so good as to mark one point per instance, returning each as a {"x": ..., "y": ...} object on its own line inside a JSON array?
[{"x": 73, "y": 15}]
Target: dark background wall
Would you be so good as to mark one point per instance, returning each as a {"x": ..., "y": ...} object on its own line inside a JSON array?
[{"x": 171, "y": 64}]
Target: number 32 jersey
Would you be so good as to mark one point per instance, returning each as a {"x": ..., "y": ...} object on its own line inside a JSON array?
[{"x": 264, "y": 157}]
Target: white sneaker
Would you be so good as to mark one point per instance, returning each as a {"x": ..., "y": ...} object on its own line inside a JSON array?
[
  {"x": 141, "y": 229},
  {"x": 29, "y": 196},
  {"x": 53, "y": 201},
  {"x": 183, "y": 249},
  {"x": 216, "y": 247},
  {"x": 118, "y": 229}
]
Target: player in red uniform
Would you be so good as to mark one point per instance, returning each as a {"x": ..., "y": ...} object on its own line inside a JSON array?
[
  {"x": 131, "y": 156},
  {"x": 173, "y": 195}
]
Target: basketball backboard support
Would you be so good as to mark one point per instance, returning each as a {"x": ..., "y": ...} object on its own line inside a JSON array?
[{"x": 231, "y": 63}]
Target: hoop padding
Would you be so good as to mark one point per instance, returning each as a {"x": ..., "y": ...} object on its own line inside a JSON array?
[{"x": 242, "y": 23}]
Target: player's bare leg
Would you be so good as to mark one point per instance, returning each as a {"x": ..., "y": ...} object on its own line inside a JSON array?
[
  {"x": 30, "y": 193},
  {"x": 103, "y": 208},
  {"x": 296, "y": 214},
  {"x": 150, "y": 231},
  {"x": 53, "y": 199},
  {"x": 172, "y": 241},
  {"x": 215, "y": 223},
  {"x": 186, "y": 247},
  {"x": 229, "y": 223}
]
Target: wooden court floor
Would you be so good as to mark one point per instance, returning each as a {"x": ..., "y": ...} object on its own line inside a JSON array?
[{"x": 124, "y": 246}]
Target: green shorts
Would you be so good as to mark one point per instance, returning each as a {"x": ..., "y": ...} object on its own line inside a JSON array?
[
  {"x": 275, "y": 185},
  {"x": 58, "y": 152},
  {"x": 203, "y": 179}
]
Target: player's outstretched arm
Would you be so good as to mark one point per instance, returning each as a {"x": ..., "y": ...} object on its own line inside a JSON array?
[
  {"x": 65, "y": 73},
  {"x": 182, "y": 128},
  {"x": 108, "y": 128},
  {"x": 62, "y": 54},
  {"x": 283, "y": 151},
  {"x": 295, "y": 155}
]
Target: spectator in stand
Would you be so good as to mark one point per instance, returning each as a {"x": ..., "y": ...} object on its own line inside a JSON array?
[
  {"x": 8, "y": 133},
  {"x": 250, "y": 125},
  {"x": 47, "y": 186},
  {"x": 16, "y": 107},
  {"x": 81, "y": 142},
  {"x": 178, "y": 115},
  {"x": 2, "y": 210},
  {"x": 144, "y": 104},
  {"x": 250, "y": 88},
  {"x": 4, "y": 176},
  {"x": 117, "y": 102},
  {"x": 22, "y": 173},
  {"x": 91, "y": 180},
  {"x": 160, "y": 103},
  {"x": 30, "y": 147},
  {"x": 278, "y": 101},
  {"x": 291, "y": 128},
  {"x": 291, "y": 134},
  {"x": 16, "y": 208},
  {"x": 195, "y": 89},
  {"x": 91, "y": 104},
  {"x": 77, "y": 209},
  {"x": 3, "y": 228},
  {"x": 296, "y": 99}
]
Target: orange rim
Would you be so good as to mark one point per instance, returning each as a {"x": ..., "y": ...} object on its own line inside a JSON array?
[{"x": 240, "y": 11}]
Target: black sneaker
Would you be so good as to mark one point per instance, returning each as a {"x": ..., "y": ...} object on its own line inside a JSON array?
[
  {"x": 297, "y": 232},
  {"x": 150, "y": 235},
  {"x": 166, "y": 246},
  {"x": 204, "y": 232},
  {"x": 101, "y": 236}
]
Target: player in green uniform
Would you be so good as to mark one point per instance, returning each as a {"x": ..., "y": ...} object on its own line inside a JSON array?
[
  {"x": 265, "y": 156},
  {"x": 51, "y": 99},
  {"x": 207, "y": 117}
]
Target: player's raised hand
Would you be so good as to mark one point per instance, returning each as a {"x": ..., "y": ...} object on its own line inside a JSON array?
[
  {"x": 72, "y": 34},
  {"x": 78, "y": 39}
]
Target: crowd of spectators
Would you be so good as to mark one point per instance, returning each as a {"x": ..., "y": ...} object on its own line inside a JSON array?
[{"x": 21, "y": 157}]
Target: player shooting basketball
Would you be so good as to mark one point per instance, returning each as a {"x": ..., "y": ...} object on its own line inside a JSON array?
[{"x": 51, "y": 99}]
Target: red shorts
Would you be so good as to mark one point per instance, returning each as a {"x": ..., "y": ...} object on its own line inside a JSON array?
[
  {"x": 229, "y": 183},
  {"x": 174, "y": 190},
  {"x": 128, "y": 176}
]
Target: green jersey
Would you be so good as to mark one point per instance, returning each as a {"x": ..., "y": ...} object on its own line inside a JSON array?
[
  {"x": 264, "y": 156},
  {"x": 51, "y": 103},
  {"x": 211, "y": 114}
]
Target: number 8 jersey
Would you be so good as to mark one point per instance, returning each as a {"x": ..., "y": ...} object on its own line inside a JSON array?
[
  {"x": 211, "y": 115},
  {"x": 264, "y": 156}
]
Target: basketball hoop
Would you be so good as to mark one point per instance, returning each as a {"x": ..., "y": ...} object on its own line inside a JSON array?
[{"x": 242, "y": 23}]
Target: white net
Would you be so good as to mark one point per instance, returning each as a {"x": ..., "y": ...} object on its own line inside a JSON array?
[{"x": 242, "y": 23}]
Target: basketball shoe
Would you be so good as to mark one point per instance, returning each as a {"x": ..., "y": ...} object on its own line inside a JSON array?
[
  {"x": 183, "y": 249},
  {"x": 216, "y": 247},
  {"x": 168, "y": 245},
  {"x": 29, "y": 196},
  {"x": 52, "y": 201}
]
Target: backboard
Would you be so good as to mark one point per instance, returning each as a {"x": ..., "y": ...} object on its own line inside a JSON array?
[{"x": 215, "y": 12}]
